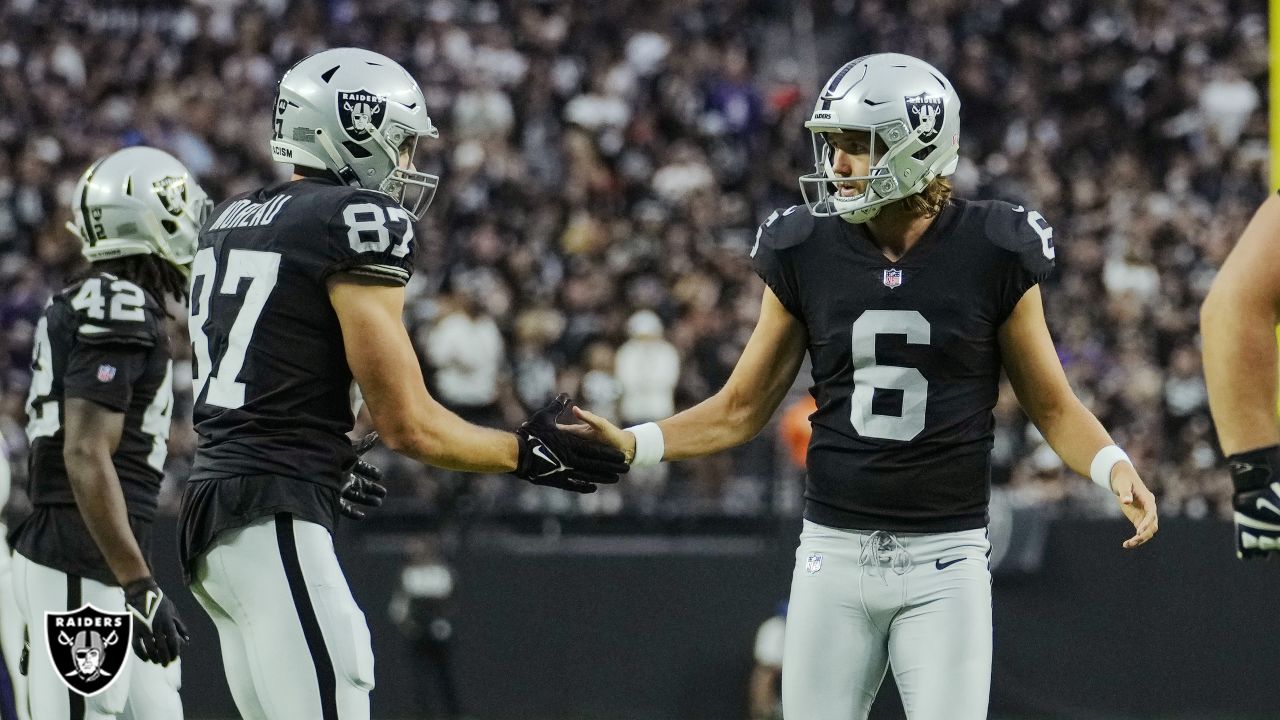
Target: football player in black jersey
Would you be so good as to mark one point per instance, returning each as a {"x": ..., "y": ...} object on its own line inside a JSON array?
[
  {"x": 98, "y": 420},
  {"x": 297, "y": 290},
  {"x": 1238, "y": 327},
  {"x": 909, "y": 303}
]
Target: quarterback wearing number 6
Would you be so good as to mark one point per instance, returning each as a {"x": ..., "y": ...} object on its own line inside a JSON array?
[{"x": 909, "y": 303}]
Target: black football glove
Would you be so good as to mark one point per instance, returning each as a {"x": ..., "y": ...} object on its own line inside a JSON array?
[
  {"x": 557, "y": 458},
  {"x": 364, "y": 482},
  {"x": 1256, "y": 501},
  {"x": 158, "y": 632}
]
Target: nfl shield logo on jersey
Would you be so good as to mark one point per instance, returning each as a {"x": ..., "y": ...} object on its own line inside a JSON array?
[
  {"x": 88, "y": 647},
  {"x": 106, "y": 373},
  {"x": 813, "y": 564},
  {"x": 892, "y": 278}
]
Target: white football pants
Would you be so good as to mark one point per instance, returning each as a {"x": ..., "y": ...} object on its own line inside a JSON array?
[
  {"x": 146, "y": 691},
  {"x": 861, "y": 601},
  {"x": 295, "y": 645},
  {"x": 11, "y": 628}
]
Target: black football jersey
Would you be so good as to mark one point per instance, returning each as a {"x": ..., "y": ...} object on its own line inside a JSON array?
[
  {"x": 272, "y": 387},
  {"x": 101, "y": 339},
  {"x": 906, "y": 359}
]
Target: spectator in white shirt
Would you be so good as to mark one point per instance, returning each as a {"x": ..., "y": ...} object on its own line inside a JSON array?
[
  {"x": 468, "y": 354},
  {"x": 648, "y": 368}
]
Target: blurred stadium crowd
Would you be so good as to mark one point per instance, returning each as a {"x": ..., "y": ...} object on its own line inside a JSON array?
[{"x": 605, "y": 165}]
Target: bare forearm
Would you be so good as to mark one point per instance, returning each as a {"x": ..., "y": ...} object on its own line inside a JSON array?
[
  {"x": 447, "y": 441},
  {"x": 1073, "y": 432},
  {"x": 1240, "y": 371},
  {"x": 713, "y": 425},
  {"x": 383, "y": 362},
  {"x": 101, "y": 502}
]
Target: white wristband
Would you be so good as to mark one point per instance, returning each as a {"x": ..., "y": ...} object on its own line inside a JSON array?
[
  {"x": 649, "y": 445},
  {"x": 1103, "y": 462}
]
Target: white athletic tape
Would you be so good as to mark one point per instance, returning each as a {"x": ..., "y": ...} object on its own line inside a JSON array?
[
  {"x": 650, "y": 445},
  {"x": 1103, "y": 462}
]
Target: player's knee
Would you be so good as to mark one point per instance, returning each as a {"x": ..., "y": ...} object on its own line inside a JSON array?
[
  {"x": 173, "y": 675},
  {"x": 353, "y": 648},
  {"x": 110, "y": 702}
]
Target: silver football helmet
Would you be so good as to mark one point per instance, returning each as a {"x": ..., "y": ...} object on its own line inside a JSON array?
[
  {"x": 905, "y": 104},
  {"x": 139, "y": 201},
  {"x": 355, "y": 113}
]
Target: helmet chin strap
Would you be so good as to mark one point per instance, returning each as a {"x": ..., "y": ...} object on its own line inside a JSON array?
[
  {"x": 345, "y": 173},
  {"x": 861, "y": 215}
]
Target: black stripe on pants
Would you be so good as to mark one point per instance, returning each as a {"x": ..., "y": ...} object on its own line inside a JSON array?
[
  {"x": 307, "y": 617},
  {"x": 74, "y": 601}
]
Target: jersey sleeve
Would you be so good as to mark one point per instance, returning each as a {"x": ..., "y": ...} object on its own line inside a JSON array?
[
  {"x": 113, "y": 326},
  {"x": 1028, "y": 238},
  {"x": 369, "y": 235},
  {"x": 104, "y": 374},
  {"x": 774, "y": 236}
]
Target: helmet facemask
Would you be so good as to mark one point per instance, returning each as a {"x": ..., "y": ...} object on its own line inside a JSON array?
[
  {"x": 414, "y": 190},
  {"x": 858, "y": 198}
]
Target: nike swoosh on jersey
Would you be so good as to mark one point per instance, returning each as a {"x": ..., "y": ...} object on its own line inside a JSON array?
[{"x": 944, "y": 565}]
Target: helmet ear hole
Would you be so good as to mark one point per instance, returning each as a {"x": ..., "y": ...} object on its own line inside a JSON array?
[
  {"x": 169, "y": 226},
  {"x": 356, "y": 150},
  {"x": 923, "y": 152}
]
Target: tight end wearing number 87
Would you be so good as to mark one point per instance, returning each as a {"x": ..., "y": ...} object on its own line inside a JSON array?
[{"x": 297, "y": 293}]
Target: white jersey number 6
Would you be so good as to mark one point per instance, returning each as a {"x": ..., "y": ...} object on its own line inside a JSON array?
[{"x": 869, "y": 375}]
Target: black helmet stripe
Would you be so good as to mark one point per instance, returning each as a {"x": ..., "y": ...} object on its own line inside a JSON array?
[{"x": 90, "y": 235}]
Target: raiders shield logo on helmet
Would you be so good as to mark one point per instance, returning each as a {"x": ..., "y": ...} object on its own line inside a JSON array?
[
  {"x": 88, "y": 647},
  {"x": 926, "y": 111},
  {"x": 173, "y": 194},
  {"x": 359, "y": 111}
]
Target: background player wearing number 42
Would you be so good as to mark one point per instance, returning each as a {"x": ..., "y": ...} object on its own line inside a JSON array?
[
  {"x": 909, "y": 303},
  {"x": 98, "y": 419}
]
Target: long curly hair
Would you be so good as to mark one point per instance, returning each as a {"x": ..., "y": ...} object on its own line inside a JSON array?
[
  {"x": 929, "y": 201},
  {"x": 152, "y": 273}
]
